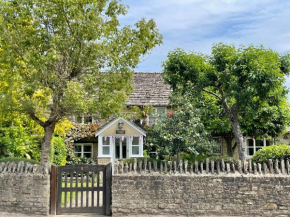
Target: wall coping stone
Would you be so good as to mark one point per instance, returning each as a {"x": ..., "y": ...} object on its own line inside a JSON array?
[{"x": 22, "y": 168}]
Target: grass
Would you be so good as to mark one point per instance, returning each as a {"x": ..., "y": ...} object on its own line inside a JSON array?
[
  {"x": 73, "y": 186},
  {"x": 17, "y": 160}
]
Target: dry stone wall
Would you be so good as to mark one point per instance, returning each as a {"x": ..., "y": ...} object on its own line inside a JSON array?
[
  {"x": 24, "y": 188},
  {"x": 204, "y": 189}
]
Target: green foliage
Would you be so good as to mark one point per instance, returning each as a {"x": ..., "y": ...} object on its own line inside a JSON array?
[
  {"x": 80, "y": 160},
  {"x": 58, "y": 151},
  {"x": 237, "y": 88},
  {"x": 273, "y": 152},
  {"x": 70, "y": 58},
  {"x": 17, "y": 160},
  {"x": 19, "y": 137},
  {"x": 179, "y": 132}
]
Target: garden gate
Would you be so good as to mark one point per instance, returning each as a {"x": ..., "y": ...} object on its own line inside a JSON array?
[{"x": 81, "y": 189}]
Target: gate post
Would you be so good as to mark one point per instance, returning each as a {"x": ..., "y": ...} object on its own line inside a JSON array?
[
  {"x": 108, "y": 189},
  {"x": 53, "y": 189}
]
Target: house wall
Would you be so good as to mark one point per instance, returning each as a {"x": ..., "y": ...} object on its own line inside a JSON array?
[{"x": 24, "y": 188}]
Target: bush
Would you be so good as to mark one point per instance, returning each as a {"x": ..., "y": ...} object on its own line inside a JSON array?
[
  {"x": 17, "y": 160},
  {"x": 273, "y": 152},
  {"x": 58, "y": 151},
  {"x": 80, "y": 160}
]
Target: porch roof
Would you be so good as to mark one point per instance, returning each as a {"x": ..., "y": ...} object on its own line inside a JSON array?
[{"x": 115, "y": 120}]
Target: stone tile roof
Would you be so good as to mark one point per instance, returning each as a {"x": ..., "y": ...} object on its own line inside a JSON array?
[{"x": 149, "y": 89}]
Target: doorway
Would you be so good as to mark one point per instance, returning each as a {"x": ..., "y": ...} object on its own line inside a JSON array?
[{"x": 121, "y": 148}]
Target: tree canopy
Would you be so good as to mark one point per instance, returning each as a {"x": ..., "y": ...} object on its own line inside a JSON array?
[
  {"x": 180, "y": 131},
  {"x": 64, "y": 57},
  {"x": 247, "y": 83}
]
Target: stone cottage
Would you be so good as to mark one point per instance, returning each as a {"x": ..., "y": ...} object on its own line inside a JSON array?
[{"x": 121, "y": 139}]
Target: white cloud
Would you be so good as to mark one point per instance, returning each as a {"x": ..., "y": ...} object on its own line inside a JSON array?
[{"x": 197, "y": 24}]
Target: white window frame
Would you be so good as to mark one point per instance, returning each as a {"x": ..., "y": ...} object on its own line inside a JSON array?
[
  {"x": 140, "y": 146},
  {"x": 154, "y": 114},
  {"x": 101, "y": 145},
  {"x": 82, "y": 148},
  {"x": 255, "y": 146}
]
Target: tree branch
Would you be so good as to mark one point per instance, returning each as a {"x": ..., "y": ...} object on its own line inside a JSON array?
[
  {"x": 36, "y": 119},
  {"x": 212, "y": 93}
]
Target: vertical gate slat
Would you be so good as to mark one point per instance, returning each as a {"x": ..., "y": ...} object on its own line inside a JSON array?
[
  {"x": 98, "y": 185},
  {"x": 87, "y": 198},
  {"x": 65, "y": 193},
  {"x": 82, "y": 181},
  {"x": 107, "y": 191},
  {"x": 93, "y": 192},
  {"x": 59, "y": 192},
  {"x": 77, "y": 185},
  {"x": 71, "y": 186}
]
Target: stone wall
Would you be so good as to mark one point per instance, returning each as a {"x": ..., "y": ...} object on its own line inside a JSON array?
[
  {"x": 24, "y": 188},
  {"x": 234, "y": 190}
]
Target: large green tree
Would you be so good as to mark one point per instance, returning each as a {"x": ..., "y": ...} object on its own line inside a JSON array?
[
  {"x": 247, "y": 82},
  {"x": 64, "y": 57},
  {"x": 180, "y": 131}
]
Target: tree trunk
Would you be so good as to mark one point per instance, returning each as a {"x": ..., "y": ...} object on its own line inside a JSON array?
[
  {"x": 45, "y": 144},
  {"x": 239, "y": 138},
  {"x": 233, "y": 116}
]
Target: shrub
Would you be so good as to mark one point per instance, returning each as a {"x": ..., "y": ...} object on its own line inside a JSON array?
[
  {"x": 273, "y": 152},
  {"x": 80, "y": 160},
  {"x": 17, "y": 160},
  {"x": 58, "y": 151}
]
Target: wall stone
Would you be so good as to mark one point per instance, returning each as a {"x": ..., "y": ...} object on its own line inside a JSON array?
[
  {"x": 24, "y": 188},
  {"x": 202, "y": 189},
  {"x": 201, "y": 195},
  {"x": 104, "y": 160}
]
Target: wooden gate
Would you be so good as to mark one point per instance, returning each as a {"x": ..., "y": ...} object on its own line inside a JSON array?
[{"x": 84, "y": 189}]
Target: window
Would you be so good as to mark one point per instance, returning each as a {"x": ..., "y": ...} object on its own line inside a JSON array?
[
  {"x": 254, "y": 145},
  {"x": 217, "y": 148},
  {"x": 136, "y": 146},
  {"x": 106, "y": 145},
  {"x": 83, "y": 150},
  {"x": 156, "y": 115}
]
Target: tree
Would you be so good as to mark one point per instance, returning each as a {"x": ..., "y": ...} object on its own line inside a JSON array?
[
  {"x": 66, "y": 57},
  {"x": 180, "y": 131},
  {"x": 244, "y": 81}
]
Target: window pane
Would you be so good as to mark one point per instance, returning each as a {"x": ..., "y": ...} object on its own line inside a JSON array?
[
  {"x": 161, "y": 111},
  {"x": 79, "y": 119},
  {"x": 250, "y": 142},
  {"x": 250, "y": 151},
  {"x": 152, "y": 120},
  {"x": 259, "y": 142},
  {"x": 135, "y": 150},
  {"x": 269, "y": 142},
  {"x": 106, "y": 150},
  {"x": 87, "y": 148},
  {"x": 257, "y": 149},
  {"x": 106, "y": 140},
  {"x": 88, "y": 155},
  {"x": 88, "y": 119},
  {"x": 78, "y": 154},
  {"x": 135, "y": 141},
  {"x": 78, "y": 148}
]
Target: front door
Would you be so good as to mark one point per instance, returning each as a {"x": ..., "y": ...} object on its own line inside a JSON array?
[{"x": 121, "y": 148}]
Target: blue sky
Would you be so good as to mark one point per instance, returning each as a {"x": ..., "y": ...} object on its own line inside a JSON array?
[{"x": 195, "y": 25}]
